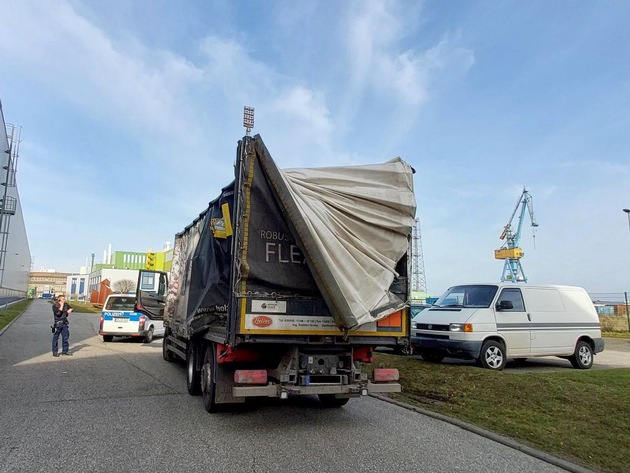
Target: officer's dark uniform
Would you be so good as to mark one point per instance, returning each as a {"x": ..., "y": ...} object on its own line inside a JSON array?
[{"x": 61, "y": 328}]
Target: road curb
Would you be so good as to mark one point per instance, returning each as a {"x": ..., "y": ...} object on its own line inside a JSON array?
[{"x": 492, "y": 436}]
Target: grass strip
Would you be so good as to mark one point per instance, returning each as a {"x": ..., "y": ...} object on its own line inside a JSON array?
[
  {"x": 84, "y": 307},
  {"x": 580, "y": 416},
  {"x": 11, "y": 312},
  {"x": 616, "y": 335}
]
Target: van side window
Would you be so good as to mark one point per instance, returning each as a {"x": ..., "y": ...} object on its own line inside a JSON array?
[{"x": 515, "y": 297}]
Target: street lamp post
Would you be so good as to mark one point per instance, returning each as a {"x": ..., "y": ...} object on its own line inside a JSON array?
[{"x": 627, "y": 211}]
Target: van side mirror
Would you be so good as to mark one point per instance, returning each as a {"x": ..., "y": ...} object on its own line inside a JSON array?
[{"x": 505, "y": 305}]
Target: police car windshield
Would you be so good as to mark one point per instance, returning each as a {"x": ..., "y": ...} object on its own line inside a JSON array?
[
  {"x": 477, "y": 296},
  {"x": 120, "y": 303}
]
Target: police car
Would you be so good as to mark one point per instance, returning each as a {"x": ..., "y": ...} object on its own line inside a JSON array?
[{"x": 120, "y": 319}]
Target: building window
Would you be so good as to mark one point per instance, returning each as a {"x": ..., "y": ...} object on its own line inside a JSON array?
[{"x": 148, "y": 281}]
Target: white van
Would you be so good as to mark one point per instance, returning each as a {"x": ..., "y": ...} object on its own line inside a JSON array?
[
  {"x": 493, "y": 322},
  {"x": 119, "y": 318}
]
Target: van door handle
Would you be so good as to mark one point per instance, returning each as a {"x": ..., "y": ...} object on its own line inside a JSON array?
[{"x": 528, "y": 317}]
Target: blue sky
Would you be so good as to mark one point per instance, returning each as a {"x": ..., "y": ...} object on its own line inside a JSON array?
[{"x": 131, "y": 110}]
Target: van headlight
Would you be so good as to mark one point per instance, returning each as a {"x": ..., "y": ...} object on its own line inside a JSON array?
[{"x": 460, "y": 327}]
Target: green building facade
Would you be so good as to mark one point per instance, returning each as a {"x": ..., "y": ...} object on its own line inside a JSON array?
[{"x": 155, "y": 260}]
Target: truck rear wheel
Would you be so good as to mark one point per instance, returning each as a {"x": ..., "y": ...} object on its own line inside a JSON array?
[
  {"x": 329, "y": 400},
  {"x": 193, "y": 376},
  {"x": 108, "y": 338},
  {"x": 208, "y": 384}
]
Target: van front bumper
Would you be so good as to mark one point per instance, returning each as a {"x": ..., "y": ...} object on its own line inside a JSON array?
[{"x": 447, "y": 347}]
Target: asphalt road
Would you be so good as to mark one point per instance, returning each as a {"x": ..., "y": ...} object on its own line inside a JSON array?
[{"x": 120, "y": 407}]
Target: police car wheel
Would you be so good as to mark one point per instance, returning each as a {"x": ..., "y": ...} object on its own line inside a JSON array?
[{"x": 148, "y": 338}]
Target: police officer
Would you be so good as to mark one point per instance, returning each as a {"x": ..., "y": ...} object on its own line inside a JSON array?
[{"x": 61, "y": 310}]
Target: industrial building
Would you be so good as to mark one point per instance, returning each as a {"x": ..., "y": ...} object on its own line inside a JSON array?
[{"x": 15, "y": 254}]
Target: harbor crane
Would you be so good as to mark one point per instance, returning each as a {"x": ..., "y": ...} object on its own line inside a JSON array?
[{"x": 510, "y": 251}]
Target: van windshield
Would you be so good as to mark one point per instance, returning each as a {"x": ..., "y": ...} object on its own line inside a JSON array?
[
  {"x": 478, "y": 295},
  {"x": 120, "y": 303}
]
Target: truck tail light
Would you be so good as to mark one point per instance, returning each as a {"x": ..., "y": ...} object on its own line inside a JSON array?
[
  {"x": 383, "y": 375},
  {"x": 250, "y": 377}
]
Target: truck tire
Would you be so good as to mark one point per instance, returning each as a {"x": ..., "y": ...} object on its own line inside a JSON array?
[
  {"x": 208, "y": 384},
  {"x": 582, "y": 359},
  {"x": 148, "y": 337},
  {"x": 108, "y": 338},
  {"x": 193, "y": 376},
  {"x": 492, "y": 356},
  {"x": 166, "y": 353},
  {"x": 330, "y": 401}
]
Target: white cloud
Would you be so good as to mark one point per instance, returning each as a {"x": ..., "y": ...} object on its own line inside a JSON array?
[
  {"x": 373, "y": 40},
  {"x": 142, "y": 89}
]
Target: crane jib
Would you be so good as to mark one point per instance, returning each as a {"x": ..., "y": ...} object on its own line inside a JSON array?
[{"x": 510, "y": 251}]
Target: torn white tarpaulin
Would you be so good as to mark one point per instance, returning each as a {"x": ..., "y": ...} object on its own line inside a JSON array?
[{"x": 359, "y": 219}]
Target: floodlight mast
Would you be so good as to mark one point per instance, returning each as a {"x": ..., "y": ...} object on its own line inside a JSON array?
[{"x": 248, "y": 119}]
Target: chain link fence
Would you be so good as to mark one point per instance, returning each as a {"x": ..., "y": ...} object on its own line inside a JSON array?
[{"x": 613, "y": 309}]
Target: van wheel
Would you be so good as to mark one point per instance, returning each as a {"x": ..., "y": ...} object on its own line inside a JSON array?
[
  {"x": 582, "y": 359},
  {"x": 329, "y": 400},
  {"x": 431, "y": 357},
  {"x": 208, "y": 384},
  {"x": 148, "y": 338},
  {"x": 193, "y": 376},
  {"x": 108, "y": 338},
  {"x": 492, "y": 356}
]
